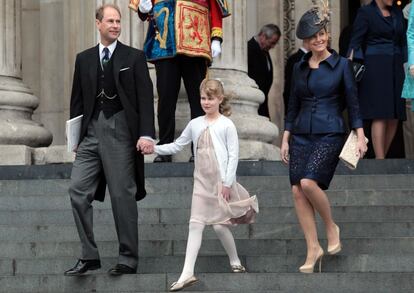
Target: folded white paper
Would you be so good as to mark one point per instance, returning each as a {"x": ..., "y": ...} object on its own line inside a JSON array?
[{"x": 73, "y": 128}]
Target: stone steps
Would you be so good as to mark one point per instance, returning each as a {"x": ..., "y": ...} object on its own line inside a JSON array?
[
  {"x": 179, "y": 231},
  {"x": 210, "y": 247},
  {"x": 220, "y": 264},
  {"x": 215, "y": 282},
  {"x": 245, "y": 168},
  {"x": 183, "y": 185},
  {"x": 359, "y": 197},
  {"x": 374, "y": 207},
  {"x": 267, "y": 215}
]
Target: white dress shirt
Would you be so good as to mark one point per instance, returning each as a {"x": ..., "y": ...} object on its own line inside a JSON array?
[{"x": 111, "y": 48}]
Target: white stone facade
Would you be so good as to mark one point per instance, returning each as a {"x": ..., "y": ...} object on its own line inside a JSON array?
[{"x": 48, "y": 34}]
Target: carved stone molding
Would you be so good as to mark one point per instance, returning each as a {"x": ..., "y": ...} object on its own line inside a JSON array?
[{"x": 289, "y": 27}]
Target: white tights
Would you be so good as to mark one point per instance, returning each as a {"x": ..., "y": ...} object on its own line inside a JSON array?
[{"x": 195, "y": 236}]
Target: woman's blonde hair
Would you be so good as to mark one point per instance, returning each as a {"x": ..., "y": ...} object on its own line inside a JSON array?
[{"x": 214, "y": 88}]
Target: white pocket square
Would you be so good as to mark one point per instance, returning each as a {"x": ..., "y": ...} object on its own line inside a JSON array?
[{"x": 123, "y": 69}]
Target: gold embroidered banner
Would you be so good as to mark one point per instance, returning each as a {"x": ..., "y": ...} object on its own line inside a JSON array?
[{"x": 192, "y": 32}]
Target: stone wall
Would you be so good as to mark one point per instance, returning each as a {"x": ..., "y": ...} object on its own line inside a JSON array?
[{"x": 53, "y": 31}]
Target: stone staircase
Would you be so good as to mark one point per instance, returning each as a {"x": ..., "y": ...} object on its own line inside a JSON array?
[{"x": 374, "y": 206}]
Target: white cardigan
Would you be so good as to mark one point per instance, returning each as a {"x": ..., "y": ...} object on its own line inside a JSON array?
[{"x": 225, "y": 141}]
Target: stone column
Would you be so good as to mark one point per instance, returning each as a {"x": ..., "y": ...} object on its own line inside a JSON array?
[
  {"x": 256, "y": 133},
  {"x": 17, "y": 102}
]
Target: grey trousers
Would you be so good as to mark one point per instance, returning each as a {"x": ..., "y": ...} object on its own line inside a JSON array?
[{"x": 108, "y": 146}]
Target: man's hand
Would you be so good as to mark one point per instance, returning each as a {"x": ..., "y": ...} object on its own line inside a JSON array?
[
  {"x": 145, "y": 6},
  {"x": 146, "y": 146},
  {"x": 215, "y": 48}
]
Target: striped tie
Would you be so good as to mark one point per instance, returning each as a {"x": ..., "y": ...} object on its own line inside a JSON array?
[{"x": 105, "y": 58}]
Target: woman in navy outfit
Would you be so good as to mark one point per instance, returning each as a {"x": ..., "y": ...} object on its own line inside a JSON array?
[
  {"x": 379, "y": 39},
  {"x": 322, "y": 84}
]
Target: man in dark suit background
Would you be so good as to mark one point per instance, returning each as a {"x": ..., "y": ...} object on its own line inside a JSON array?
[
  {"x": 259, "y": 66},
  {"x": 113, "y": 91},
  {"x": 291, "y": 61}
]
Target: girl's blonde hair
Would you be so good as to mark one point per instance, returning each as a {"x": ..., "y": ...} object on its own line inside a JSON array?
[{"x": 214, "y": 88}]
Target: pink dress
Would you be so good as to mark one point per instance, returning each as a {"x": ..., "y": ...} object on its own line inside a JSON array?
[{"x": 208, "y": 206}]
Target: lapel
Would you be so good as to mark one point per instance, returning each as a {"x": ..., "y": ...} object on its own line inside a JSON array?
[
  {"x": 263, "y": 55},
  {"x": 120, "y": 58},
  {"x": 395, "y": 21},
  {"x": 257, "y": 48},
  {"x": 378, "y": 11},
  {"x": 304, "y": 71},
  {"x": 269, "y": 62},
  {"x": 93, "y": 68}
]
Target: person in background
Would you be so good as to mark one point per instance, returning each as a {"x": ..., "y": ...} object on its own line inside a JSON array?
[
  {"x": 259, "y": 62},
  {"x": 346, "y": 33},
  {"x": 291, "y": 61},
  {"x": 315, "y": 130},
  {"x": 408, "y": 88},
  {"x": 379, "y": 41},
  {"x": 180, "y": 51}
]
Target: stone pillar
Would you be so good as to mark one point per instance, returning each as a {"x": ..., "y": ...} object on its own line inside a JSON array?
[
  {"x": 52, "y": 68},
  {"x": 17, "y": 102},
  {"x": 256, "y": 133}
]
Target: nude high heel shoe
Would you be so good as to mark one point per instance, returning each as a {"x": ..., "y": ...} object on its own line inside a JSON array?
[
  {"x": 308, "y": 269},
  {"x": 334, "y": 249}
]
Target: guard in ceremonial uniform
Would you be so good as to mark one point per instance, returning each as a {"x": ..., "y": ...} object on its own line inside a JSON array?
[{"x": 182, "y": 39}]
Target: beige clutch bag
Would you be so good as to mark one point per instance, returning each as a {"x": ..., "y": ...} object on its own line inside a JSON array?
[{"x": 348, "y": 154}]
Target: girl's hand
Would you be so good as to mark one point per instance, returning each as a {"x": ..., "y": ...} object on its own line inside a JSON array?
[
  {"x": 361, "y": 147},
  {"x": 411, "y": 70},
  {"x": 284, "y": 152},
  {"x": 225, "y": 193}
]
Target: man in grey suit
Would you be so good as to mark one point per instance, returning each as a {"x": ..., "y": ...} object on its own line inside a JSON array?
[{"x": 113, "y": 91}]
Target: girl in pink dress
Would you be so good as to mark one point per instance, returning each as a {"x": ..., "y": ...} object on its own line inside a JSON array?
[{"x": 217, "y": 200}]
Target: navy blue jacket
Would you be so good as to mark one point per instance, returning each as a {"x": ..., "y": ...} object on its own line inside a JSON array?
[
  {"x": 310, "y": 113},
  {"x": 374, "y": 34}
]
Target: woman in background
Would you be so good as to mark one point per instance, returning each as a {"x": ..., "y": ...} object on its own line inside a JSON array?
[
  {"x": 408, "y": 88},
  {"x": 378, "y": 38}
]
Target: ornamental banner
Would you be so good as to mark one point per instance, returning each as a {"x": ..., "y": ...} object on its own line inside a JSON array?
[{"x": 192, "y": 34}]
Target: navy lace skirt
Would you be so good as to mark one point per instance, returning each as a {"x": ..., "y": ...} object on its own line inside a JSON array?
[{"x": 314, "y": 156}]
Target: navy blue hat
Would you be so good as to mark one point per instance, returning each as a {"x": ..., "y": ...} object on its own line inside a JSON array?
[{"x": 309, "y": 24}]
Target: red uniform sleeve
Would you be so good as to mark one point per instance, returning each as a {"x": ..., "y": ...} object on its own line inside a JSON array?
[{"x": 216, "y": 20}]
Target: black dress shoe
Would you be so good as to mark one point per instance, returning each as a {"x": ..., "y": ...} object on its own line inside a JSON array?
[
  {"x": 191, "y": 160},
  {"x": 162, "y": 159},
  {"x": 82, "y": 266},
  {"x": 121, "y": 269}
]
